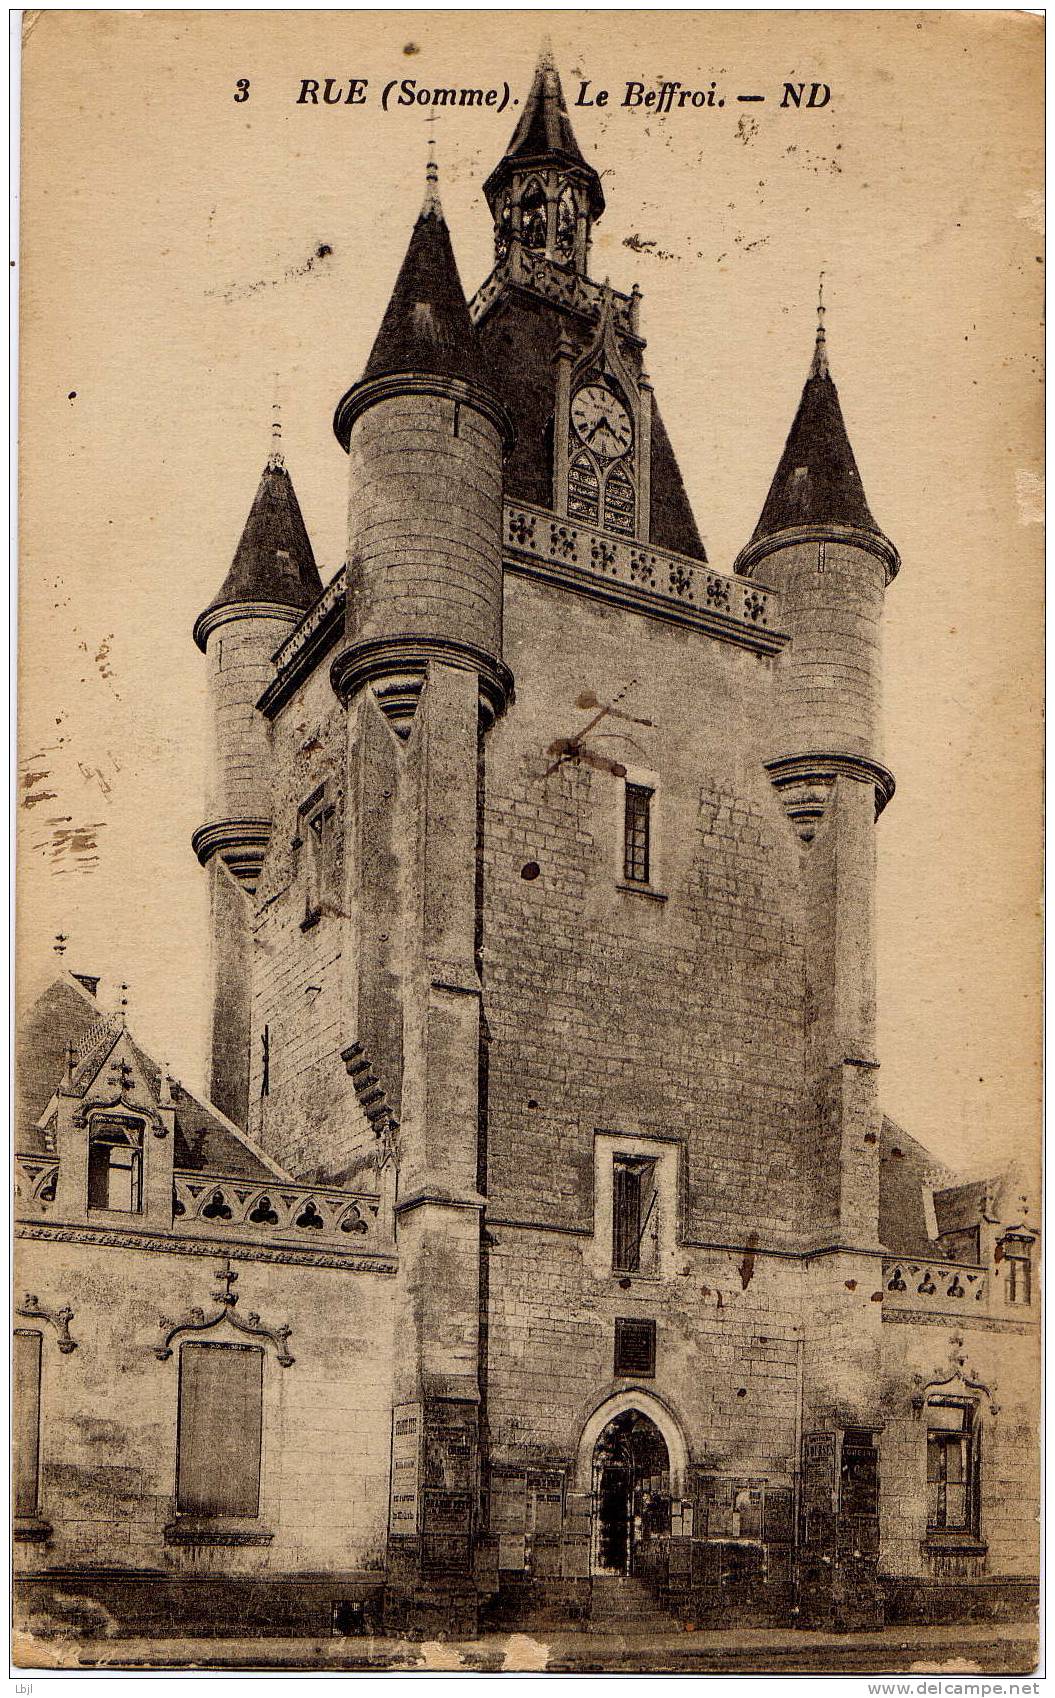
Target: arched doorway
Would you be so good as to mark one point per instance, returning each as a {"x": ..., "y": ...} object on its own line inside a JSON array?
[{"x": 631, "y": 1495}]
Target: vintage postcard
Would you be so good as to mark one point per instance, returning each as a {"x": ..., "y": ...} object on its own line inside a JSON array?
[{"x": 531, "y": 604}]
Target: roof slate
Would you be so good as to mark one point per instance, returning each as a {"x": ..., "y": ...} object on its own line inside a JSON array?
[
  {"x": 65, "y": 1014},
  {"x": 426, "y": 327},
  {"x": 817, "y": 481},
  {"x": 274, "y": 562}
]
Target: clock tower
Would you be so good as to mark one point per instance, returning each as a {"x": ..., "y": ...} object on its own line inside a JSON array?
[{"x": 565, "y": 352}]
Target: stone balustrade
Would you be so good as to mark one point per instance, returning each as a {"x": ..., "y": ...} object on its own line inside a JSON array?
[
  {"x": 314, "y": 618},
  {"x": 933, "y": 1287},
  {"x": 642, "y": 574},
  {"x": 578, "y": 556},
  {"x": 307, "y": 1215},
  {"x": 569, "y": 289},
  {"x": 212, "y": 1205},
  {"x": 36, "y": 1178}
]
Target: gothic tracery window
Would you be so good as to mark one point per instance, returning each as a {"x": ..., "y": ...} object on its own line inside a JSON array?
[
  {"x": 583, "y": 489},
  {"x": 601, "y": 474},
  {"x": 566, "y": 221},
  {"x": 503, "y": 229},
  {"x": 619, "y": 502},
  {"x": 533, "y": 216}
]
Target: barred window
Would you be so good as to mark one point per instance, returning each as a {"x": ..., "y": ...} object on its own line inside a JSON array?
[
  {"x": 635, "y": 1236},
  {"x": 637, "y": 833}
]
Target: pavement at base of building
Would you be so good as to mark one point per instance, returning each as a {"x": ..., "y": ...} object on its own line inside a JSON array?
[{"x": 971, "y": 1648}]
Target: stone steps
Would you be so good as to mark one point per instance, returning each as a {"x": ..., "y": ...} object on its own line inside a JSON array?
[{"x": 627, "y": 1604}]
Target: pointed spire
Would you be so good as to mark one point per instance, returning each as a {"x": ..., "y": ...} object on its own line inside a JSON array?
[
  {"x": 273, "y": 564},
  {"x": 431, "y": 203},
  {"x": 276, "y": 459},
  {"x": 817, "y": 481},
  {"x": 544, "y": 136},
  {"x": 426, "y": 327},
  {"x": 819, "y": 368}
]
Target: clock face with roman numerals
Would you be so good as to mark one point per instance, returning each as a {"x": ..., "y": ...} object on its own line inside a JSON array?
[{"x": 602, "y": 421}]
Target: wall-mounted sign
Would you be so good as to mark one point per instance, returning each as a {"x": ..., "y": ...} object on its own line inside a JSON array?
[{"x": 406, "y": 1469}]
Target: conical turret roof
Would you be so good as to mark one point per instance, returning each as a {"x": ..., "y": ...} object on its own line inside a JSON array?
[
  {"x": 544, "y": 136},
  {"x": 273, "y": 563},
  {"x": 817, "y": 481},
  {"x": 426, "y": 327}
]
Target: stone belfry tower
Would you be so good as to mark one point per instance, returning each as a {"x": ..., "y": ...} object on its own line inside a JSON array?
[
  {"x": 272, "y": 580},
  {"x": 818, "y": 544},
  {"x": 565, "y": 351},
  {"x": 421, "y": 674}
]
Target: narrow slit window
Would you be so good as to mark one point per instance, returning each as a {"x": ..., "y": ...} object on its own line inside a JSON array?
[
  {"x": 219, "y": 1430},
  {"x": 316, "y": 833},
  {"x": 26, "y": 1422},
  {"x": 637, "y": 834}
]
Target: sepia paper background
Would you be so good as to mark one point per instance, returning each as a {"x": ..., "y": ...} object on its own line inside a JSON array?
[{"x": 182, "y": 255}]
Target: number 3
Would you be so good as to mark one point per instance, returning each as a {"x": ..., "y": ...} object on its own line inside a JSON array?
[{"x": 242, "y": 85}]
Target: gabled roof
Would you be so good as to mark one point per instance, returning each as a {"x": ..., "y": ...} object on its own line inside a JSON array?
[
  {"x": 908, "y": 1172},
  {"x": 273, "y": 563},
  {"x": 817, "y": 481},
  {"x": 544, "y": 136},
  {"x": 66, "y": 1015},
  {"x": 426, "y": 327}
]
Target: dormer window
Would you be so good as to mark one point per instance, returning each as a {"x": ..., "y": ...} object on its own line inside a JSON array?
[
  {"x": 533, "y": 216},
  {"x": 115, "y": 1168},
  {"x": 1016, "y": 1254}
]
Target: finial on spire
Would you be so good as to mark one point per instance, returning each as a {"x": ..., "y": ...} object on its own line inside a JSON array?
[
  {"x": 431, "y": 202},
  {"x": 819, "y": 367},
  {"x": 59, "y": 946},
  {"x": 276, "y": 459},
  {"x": 122, "y": 1009}
]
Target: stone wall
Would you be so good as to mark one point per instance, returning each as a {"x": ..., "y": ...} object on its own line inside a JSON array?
[
  {"x": 679, "y": 1010},
  {"x": 425, "y": 522},
  {"x": 309, "y": 1119},
  {"x": 1003, "y": 1364},
  {"x": 109, "y": 1411}
]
